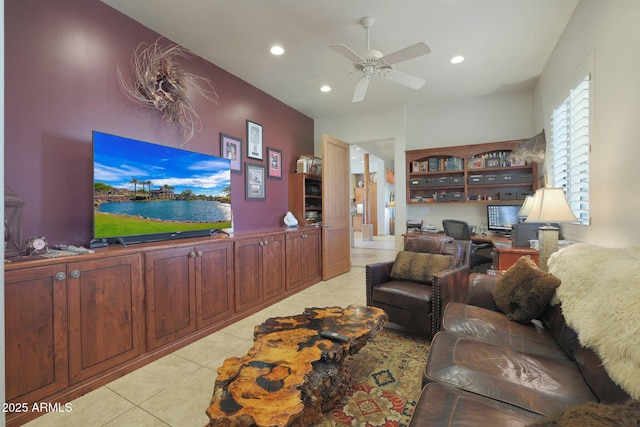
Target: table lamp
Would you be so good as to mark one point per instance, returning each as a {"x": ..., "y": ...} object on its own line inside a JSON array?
[
  {"x": 549, "y": 205},
  {"x": 525, "y": 210}
]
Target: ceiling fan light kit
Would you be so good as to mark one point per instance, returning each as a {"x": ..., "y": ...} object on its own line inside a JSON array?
[{"x": 373, "y": 62}]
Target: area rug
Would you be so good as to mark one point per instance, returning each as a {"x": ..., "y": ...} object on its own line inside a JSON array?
[{"x": 386, "y": 383}]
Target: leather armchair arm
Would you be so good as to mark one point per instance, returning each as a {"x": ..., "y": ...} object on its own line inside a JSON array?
[
  {"x": 377, "y": 274},
  {"x": 449, "y": 285},
  {"x": 480, "y": 291}
]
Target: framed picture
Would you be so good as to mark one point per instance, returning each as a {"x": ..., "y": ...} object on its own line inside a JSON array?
[
  {"x": 231, "y": 148},
  {"x": 274, "y": 159},
  {"x": 492, "y": 162},
  {"x": 254, "y": 140},
  {"x": 255, "y": 181}
]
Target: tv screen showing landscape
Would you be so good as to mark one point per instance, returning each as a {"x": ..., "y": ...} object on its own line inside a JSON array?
[{"x": 144, "y": 189}]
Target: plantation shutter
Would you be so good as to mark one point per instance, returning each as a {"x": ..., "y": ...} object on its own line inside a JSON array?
[{"x": 571, "y": 148}]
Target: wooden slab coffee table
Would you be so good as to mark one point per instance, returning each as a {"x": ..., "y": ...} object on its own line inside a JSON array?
[{"x": 292, "y": 375}]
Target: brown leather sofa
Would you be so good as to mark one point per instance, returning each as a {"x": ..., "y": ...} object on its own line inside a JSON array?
[
  {"x": 485, "y": 370},
  {"x": 413, "y": 304}
]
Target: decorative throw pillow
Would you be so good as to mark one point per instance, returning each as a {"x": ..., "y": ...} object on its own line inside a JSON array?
[
  {"x": 419, "y": 267},
  {"x": 596, "y": 414},
  {"x": 523, "y": 291}
]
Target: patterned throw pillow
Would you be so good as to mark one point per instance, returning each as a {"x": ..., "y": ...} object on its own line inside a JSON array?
[{"x": 419, "y": 267}]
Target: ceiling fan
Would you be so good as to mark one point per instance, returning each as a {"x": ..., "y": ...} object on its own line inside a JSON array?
[{"x": 373, "y": 62}]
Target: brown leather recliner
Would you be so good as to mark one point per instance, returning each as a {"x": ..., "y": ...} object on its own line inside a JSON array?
[{"x": 412, "y": 304}]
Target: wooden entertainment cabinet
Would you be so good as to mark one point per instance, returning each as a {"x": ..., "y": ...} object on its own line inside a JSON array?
[
  {"x": 477, "y": 173},
  {"x": 75, "y": 323}
]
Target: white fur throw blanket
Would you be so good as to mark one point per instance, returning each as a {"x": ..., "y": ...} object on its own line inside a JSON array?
[{"x": 600, "y": 297}]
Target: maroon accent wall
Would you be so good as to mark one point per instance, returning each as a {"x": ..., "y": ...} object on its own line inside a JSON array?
[{"x": 61, "y": 84}]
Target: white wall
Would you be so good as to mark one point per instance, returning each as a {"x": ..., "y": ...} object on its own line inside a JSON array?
[
  {"x": 609, "y": 30},
  {"x": 493, "y": 118}
]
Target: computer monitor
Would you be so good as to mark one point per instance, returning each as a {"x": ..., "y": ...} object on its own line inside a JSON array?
[{"x": 500, "y": 218}]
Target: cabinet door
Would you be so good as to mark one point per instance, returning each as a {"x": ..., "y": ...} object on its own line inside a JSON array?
[
  {"x": 35, "y": 333},
  {"x": 105, "y": 314},
  {"x": 311, "y": 256},
  {"x": 170, "y": 290},
  {"x": 214, "y": 282},
  {"x": 294, "y": 260},
  {"x": 273, "y": 262},
  {"x": 248, "y": 272}
]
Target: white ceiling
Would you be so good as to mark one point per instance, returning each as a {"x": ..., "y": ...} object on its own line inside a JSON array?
[{"x": 506, "y": 44}]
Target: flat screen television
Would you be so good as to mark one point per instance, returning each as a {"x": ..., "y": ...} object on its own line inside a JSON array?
[
  {"x": 146, "y": 192},
  {"x": 501, "y": 218}
]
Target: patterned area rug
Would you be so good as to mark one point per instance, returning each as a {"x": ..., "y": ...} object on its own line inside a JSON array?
[{"x": 386, "y": 383}]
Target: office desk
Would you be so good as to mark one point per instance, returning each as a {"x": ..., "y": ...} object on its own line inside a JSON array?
[{"x": 504, "y": 253}]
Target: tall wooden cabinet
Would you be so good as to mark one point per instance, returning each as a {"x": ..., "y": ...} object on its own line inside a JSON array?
[
  {"x": 305, "y": 197},
  {"x": 478, "y": 173}
]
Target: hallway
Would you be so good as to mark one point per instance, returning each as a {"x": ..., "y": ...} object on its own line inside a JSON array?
[{"x": 380, "y": 248}]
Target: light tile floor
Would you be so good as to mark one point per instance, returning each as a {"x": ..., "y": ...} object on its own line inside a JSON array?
[{"x": 176, "y": 389}]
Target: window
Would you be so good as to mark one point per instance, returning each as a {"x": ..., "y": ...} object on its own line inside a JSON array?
[{"x": 571, "y": 147}]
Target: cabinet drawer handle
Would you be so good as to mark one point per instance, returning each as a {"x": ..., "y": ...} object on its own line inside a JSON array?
[
  {"x": 192, "y": 254},
  {"x": 75, "y": 274},
  {"x": 261, "y": 243},
  {"x": 265, "y": 243},
  {"x": 60, "y": 276},
  {"x": 199, "y": 253}
]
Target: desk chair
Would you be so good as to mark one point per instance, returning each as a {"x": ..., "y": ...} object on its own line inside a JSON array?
[{"x": 459, "y": 230}]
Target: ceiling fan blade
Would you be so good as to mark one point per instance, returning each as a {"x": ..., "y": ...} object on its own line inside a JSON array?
[
  {"x": 403, "y": 78},
  {"x": 346, "y": 52},
  {"x": 361, "y": 89},
  {"x": 409, "y": 52}
]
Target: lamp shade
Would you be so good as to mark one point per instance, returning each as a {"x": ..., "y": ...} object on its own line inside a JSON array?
[
  {"x": 550, "y": 205},
  {"x": 525, "y": 210}
]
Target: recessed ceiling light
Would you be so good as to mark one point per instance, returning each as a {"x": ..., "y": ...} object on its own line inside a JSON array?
[
  {"x": 277, "y": 50},
  {"x": 457, "y": 59},
  {"x": 325, "y": 88}
]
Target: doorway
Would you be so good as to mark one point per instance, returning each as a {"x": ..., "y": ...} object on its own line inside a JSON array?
[
  {"x": 380, "y": 206},
  {"x": 381, "y": 242}
]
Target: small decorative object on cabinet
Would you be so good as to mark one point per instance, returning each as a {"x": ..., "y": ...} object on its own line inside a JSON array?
[
  {"x": 13, "y": 206},
  {"x": 469, "y": 173},
  {"x": 305, "y": 197},
  {"x": 309, "y": 164},
  {"x": 36, "y": 245}
]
